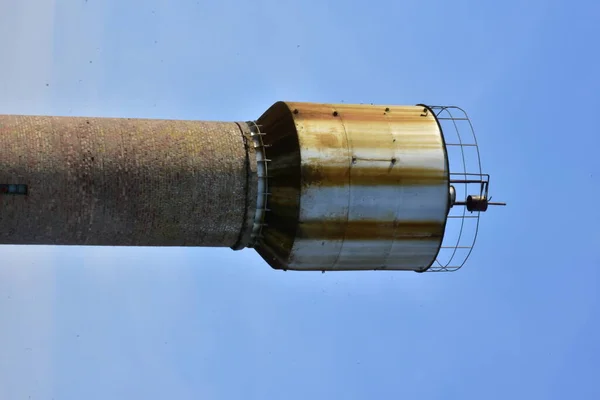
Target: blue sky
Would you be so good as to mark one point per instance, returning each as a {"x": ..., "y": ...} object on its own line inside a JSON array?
[{"x": 520, "y": 320}]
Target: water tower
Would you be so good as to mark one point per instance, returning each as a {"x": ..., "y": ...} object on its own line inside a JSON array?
[{"x": 321, "y": 187}]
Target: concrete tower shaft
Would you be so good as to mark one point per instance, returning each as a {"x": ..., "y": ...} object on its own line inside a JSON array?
[{"x": 126, "y": 182}]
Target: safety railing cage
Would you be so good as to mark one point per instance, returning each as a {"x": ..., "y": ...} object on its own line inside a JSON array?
[{"x": 468, "y": 188}]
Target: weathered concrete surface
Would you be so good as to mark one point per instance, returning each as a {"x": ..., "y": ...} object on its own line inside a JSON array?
[{"x": 124, "y": 182}]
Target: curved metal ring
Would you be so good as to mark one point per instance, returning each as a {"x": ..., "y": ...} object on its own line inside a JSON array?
[{"x": 263, "y": 183}]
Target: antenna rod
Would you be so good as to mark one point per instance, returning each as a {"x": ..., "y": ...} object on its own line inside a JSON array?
[{"x": 464, "y": 203}]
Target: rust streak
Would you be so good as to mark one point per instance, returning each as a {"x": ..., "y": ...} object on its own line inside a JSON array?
[
  {"x": 374, "y": 140},
  {"x": 360, "y": 112},
  {"x": 371, "y": 176},
  {"x": 370, "y": 230},
  {"x": 409, "y": 119}
]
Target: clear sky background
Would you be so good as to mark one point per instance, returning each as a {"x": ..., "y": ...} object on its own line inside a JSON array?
[{"x": 520, "y": 320}]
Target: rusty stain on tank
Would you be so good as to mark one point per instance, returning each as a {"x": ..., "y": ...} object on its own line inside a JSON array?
[
  {"x": 370, "y": 230},
  {"x": 324, "y": 175}
]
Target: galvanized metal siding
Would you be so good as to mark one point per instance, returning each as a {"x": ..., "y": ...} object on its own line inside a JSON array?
[
  {"x": 103, "y": 181},
  {"x": 374, "y": 189}
]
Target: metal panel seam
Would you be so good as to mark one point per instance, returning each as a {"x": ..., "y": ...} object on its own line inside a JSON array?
[
  {"x": 349, "y": 157},
  {"x": 389, "y": 251}
]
